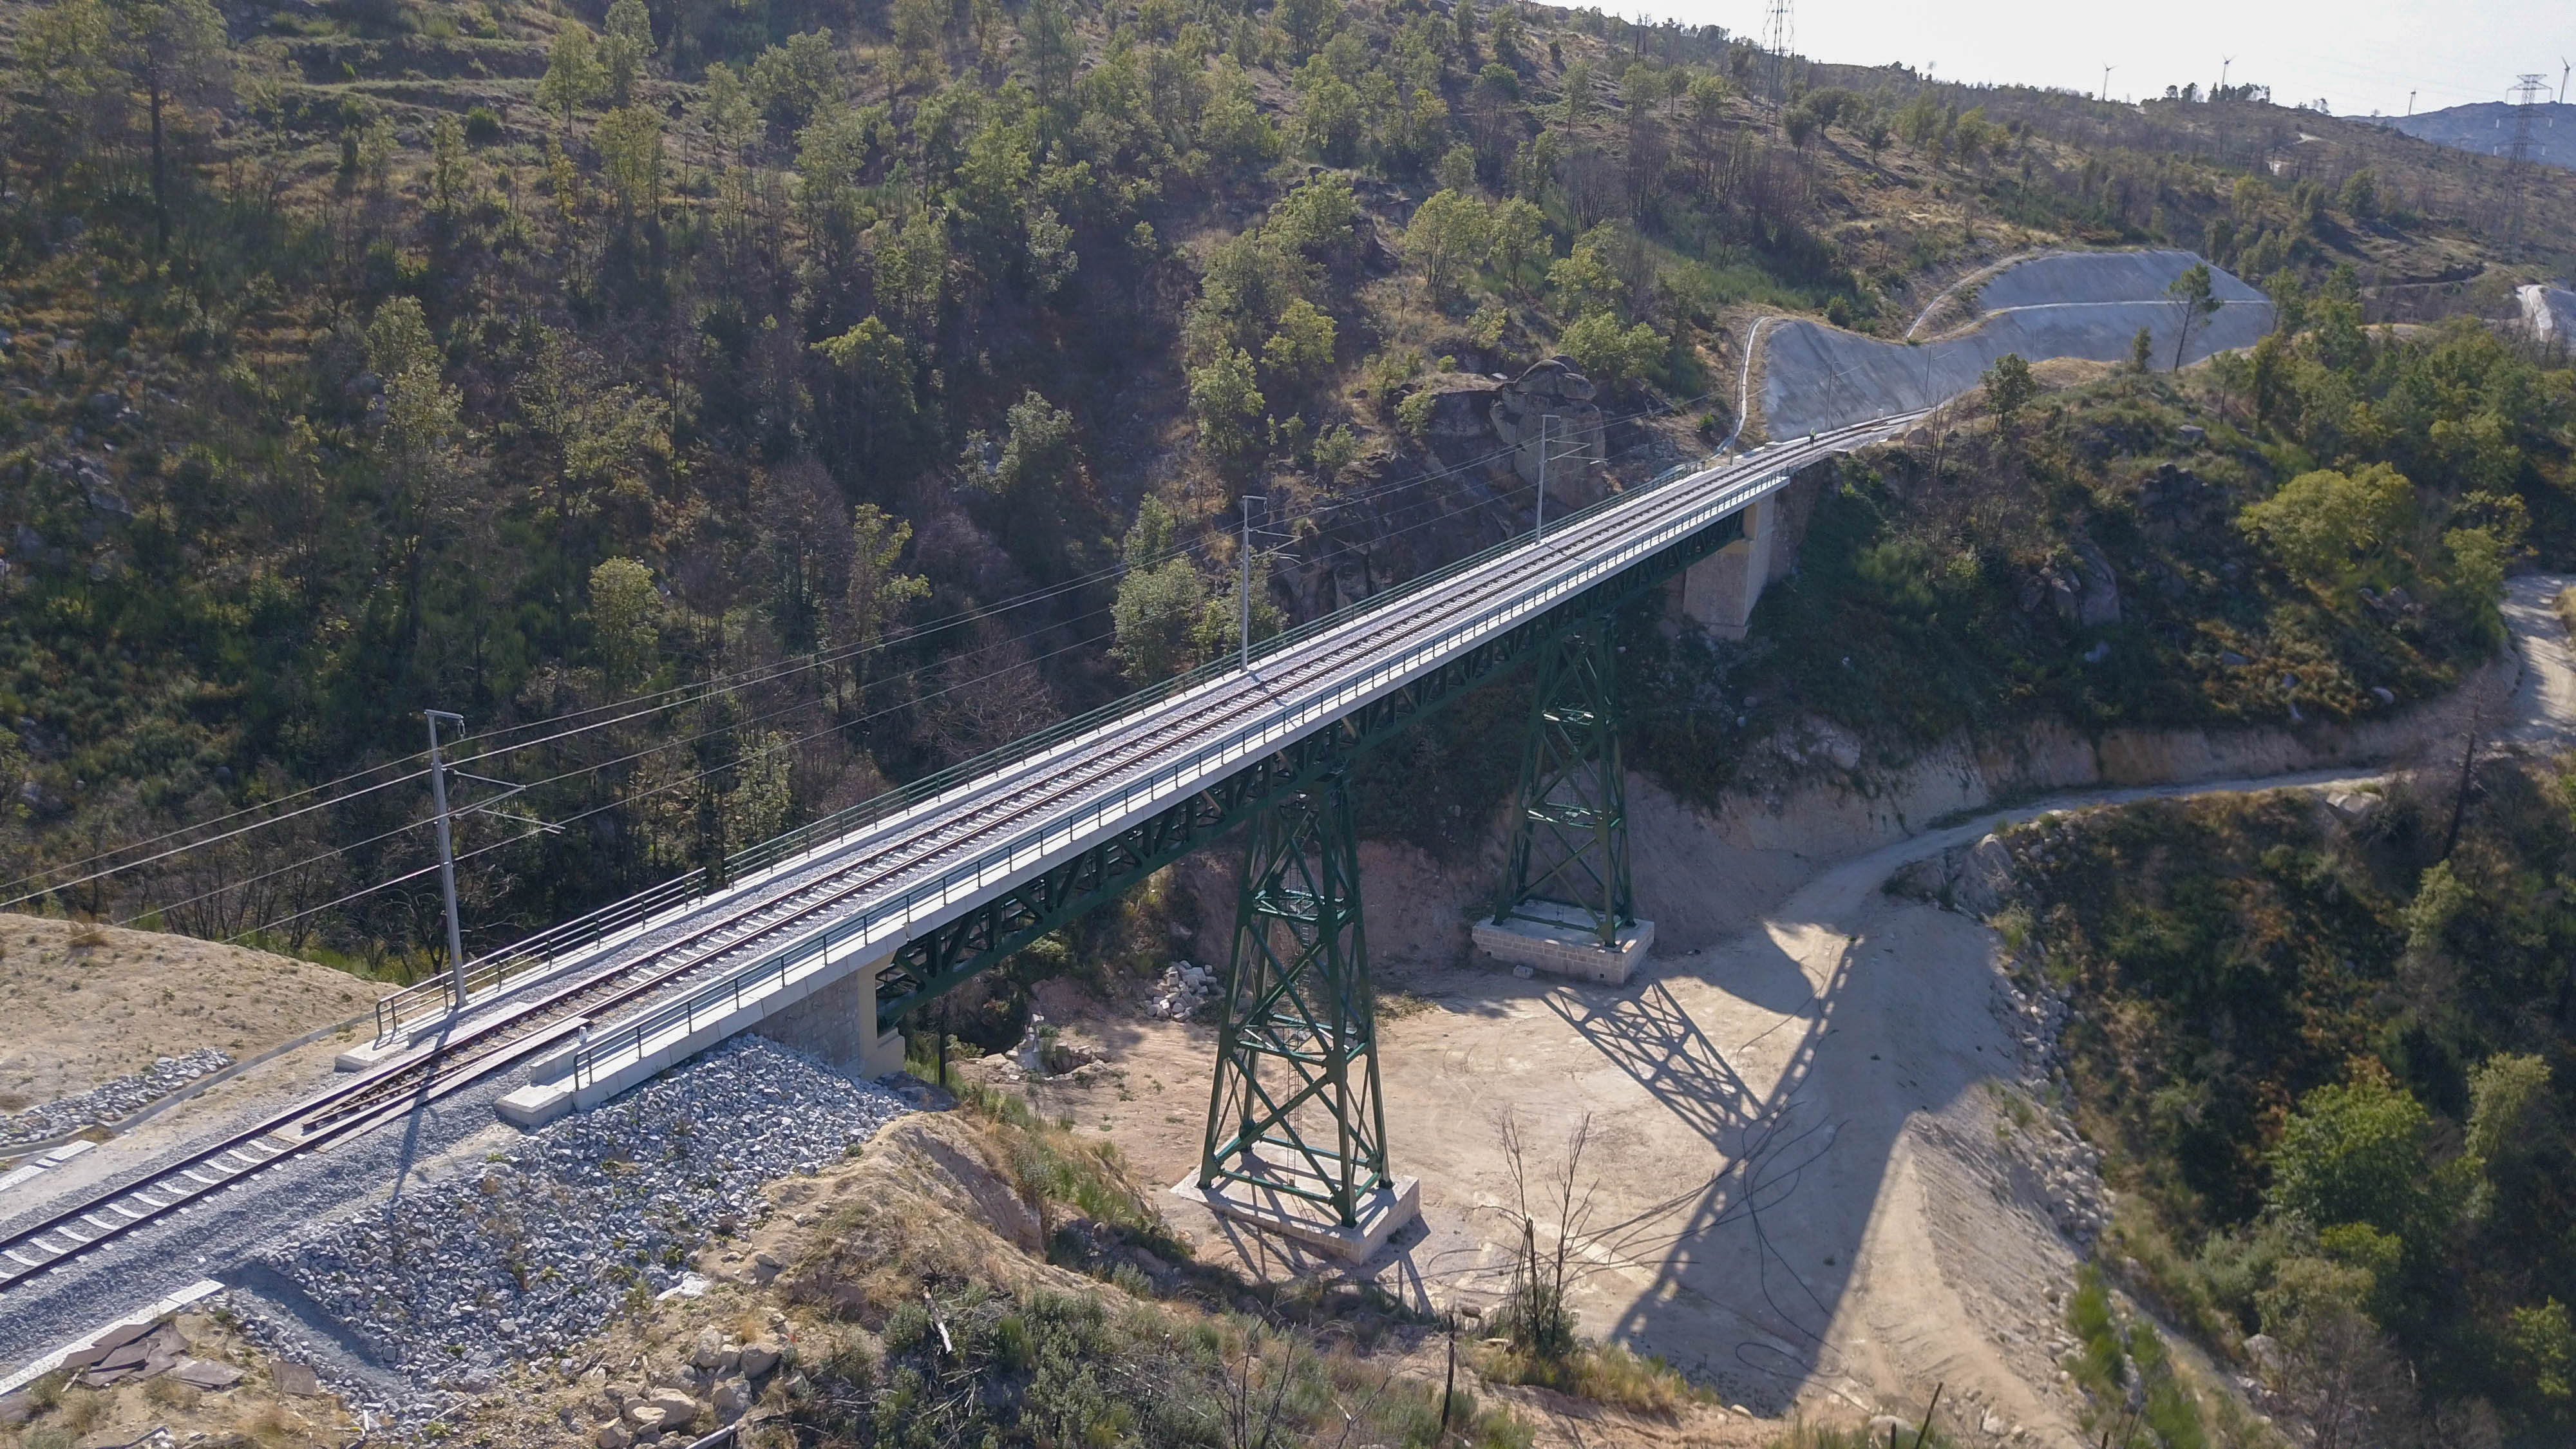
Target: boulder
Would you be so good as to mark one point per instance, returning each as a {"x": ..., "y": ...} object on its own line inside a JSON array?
[
  {"x": 759, "y": 1356},
  {"x": 709, "y": 1349},
  {"x": 640, "y": 1416},
  {"x": 612, "y": 1435},
  {"x": 1552, "y": 393},
  {"x": 678, "y": 1409},
  {"x": 1985, "y": 877},
  {"x": 732, "y": 1397}
]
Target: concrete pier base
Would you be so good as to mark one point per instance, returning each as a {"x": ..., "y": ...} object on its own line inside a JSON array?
[
  {"x": 1381, "y": 1214},
  {"x": 1566, "y": 946},
  {"x": 1719, "y": 591}
]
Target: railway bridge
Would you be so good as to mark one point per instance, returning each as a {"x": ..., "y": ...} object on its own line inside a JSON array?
[{"x": 829, "y": 936}]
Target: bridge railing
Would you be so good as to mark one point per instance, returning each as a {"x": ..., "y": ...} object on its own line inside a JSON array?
[
  {"x": 540, "y": 951},
  {"x": 638, "y": 1034}
]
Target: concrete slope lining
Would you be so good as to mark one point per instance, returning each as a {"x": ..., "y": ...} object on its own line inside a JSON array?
[
  {"x": 2548, "y": 313},
  {"x": 2086, "y": 305}
]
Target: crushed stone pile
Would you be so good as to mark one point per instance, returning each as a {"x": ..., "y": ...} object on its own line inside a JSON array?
[
  {"x": 533, "y": 1252},
  {"x": 111, "y": 1101},
  {"x": 1183, "y": 990}
]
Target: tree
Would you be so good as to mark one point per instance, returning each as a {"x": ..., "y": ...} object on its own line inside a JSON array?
[
  {"x": 790, "y": 82},
  {"x": 173, "y": 51},
  {"x": 1052, "y": 45},
  {"x": 1610, "y": 353},
  {"x": 630, "y": 159},
  {"x": 2355, "y": 1153},
  {"x": 732, "y": 122},
  {"x": 573, "y": 77},
  {"x": 1225, "y": 395},
  {"x": 1515, "y": 231},
  {"x": 2142, "y": 350},
  {"x": 918, "y": 28},
  {"x": 625, "y": 621},
  {"x": 878, "y": 592},
  {"x": 622, "y": 51},
  {"x": 1160, "y": 599},
  {"x": 2194, "y": 301},
  {"x": 1302, "y": 348},
  {"x": 2320, "y": 524},
  {"x": 2009, "y": 387},
  {"x": 1445, "y": 237},
  {"x": 448, "y": 174},
  {"x": 878, "y": 367}
]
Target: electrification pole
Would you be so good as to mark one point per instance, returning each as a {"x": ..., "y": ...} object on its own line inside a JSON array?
[
  {"x": 1541, "y": 531},
  {"x": 1248, "y": 500},
  {"x": 447, "y": 856}
]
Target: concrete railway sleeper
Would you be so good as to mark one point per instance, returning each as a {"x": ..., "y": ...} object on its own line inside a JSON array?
[{"x": 894, "y": 855}]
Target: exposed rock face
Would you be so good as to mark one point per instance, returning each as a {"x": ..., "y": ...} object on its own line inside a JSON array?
[{"x": 1552, "y": 397}]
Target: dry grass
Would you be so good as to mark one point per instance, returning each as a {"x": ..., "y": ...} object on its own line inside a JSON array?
[
  {"x": 1803, "y": 1435},
  {"x": 86, "y": 1003},
  {"x": 1607, "y": 1374}
]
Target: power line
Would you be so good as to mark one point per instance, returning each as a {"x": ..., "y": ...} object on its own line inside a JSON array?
[
  {"x": 680, "y": 696},
  {"x": 690, "y": 779},
  {"x": 662, "y": 789}
]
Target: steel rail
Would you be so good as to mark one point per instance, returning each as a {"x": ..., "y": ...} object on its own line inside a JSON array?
[{"x": 902, "y": 838}]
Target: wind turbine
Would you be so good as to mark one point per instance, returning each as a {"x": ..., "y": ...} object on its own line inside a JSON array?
[{"x": 2223, "y": 64}]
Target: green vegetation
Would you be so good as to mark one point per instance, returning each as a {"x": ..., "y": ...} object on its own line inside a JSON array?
[
  {"x": 2327, "y": 1060},
  {"x": 2096, "y": 566},
  {"x": 775, "y": 396},
  {"x": 935, "y": 1341}
]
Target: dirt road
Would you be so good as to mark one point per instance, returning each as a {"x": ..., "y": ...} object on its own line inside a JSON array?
[{"x": 1808, "y": 1185}]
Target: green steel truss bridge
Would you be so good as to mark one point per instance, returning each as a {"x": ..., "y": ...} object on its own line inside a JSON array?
[{"x": 865, "y": 916}]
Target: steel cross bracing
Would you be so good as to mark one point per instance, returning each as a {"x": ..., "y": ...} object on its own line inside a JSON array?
[
  {"x": 947, "y": 885},
  {"x": 1295, "y": 1107},
  {"x": 932, "y": 964},
  {"x": 1570, "y": 837}
]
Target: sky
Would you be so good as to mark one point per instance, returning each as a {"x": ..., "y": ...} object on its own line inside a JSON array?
[{"x": 2360, "y": 56}]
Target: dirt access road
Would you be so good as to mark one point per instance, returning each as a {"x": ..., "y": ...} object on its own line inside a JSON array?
[{"x": 1807, "y": 1188}]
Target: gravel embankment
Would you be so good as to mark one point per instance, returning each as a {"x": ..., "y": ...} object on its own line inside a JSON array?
[
  {"x": 525, "y": 1258},
  {"x": 110, "y": 1101}
]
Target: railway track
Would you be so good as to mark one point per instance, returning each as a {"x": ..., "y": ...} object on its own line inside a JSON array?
[{"x": 714, "y": 937}]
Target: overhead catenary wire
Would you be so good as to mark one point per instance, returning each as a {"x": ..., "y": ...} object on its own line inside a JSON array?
[
  {"x": 794, "y": 707},
  {"x": 661, "y": 789},
  {"x": 35, "y": 885}
]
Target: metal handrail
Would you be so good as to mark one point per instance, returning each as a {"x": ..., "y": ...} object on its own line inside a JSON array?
[
  {"x": 683, "y": 893},
  {"x": 729, "y": 991}
]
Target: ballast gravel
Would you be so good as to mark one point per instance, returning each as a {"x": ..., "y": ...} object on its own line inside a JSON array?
[
  {"x": 110, "y": 1101},
  {"x": 447, "y": 1284}
]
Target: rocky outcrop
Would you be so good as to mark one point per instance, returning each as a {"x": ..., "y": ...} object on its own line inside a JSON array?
[{"x": 1553, "y": 400}]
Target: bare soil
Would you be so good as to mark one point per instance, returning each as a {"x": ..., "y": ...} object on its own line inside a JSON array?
[
  {"x": 254, "y": 1411},
  {"x": 86, "y": 1004}
]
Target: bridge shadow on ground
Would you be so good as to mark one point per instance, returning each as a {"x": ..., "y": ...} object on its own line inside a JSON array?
[{"x": 1749, "y": 1111}]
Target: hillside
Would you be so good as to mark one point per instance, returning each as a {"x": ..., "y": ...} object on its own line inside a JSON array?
[
  {"x": 2488, "y": 128},
  {"x": 859, "y": 389},
  {"x": 2323, "y": 1044}
]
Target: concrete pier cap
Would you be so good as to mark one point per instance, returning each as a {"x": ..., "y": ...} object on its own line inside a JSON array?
[
  {"x": 1565, "y": 944},
  {"x": 1382, "y": 1213}
]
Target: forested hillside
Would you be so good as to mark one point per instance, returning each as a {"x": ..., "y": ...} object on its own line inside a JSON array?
[
  {"x": 2326, "y": 1052},
  {"x": 731, "y": 410}
]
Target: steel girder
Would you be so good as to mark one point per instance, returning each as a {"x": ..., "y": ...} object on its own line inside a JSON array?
[
  {"x": 1295, "y": 1106},
  {"x": 1570, "y": 841},
  {"x": 932, "y": 964}
]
